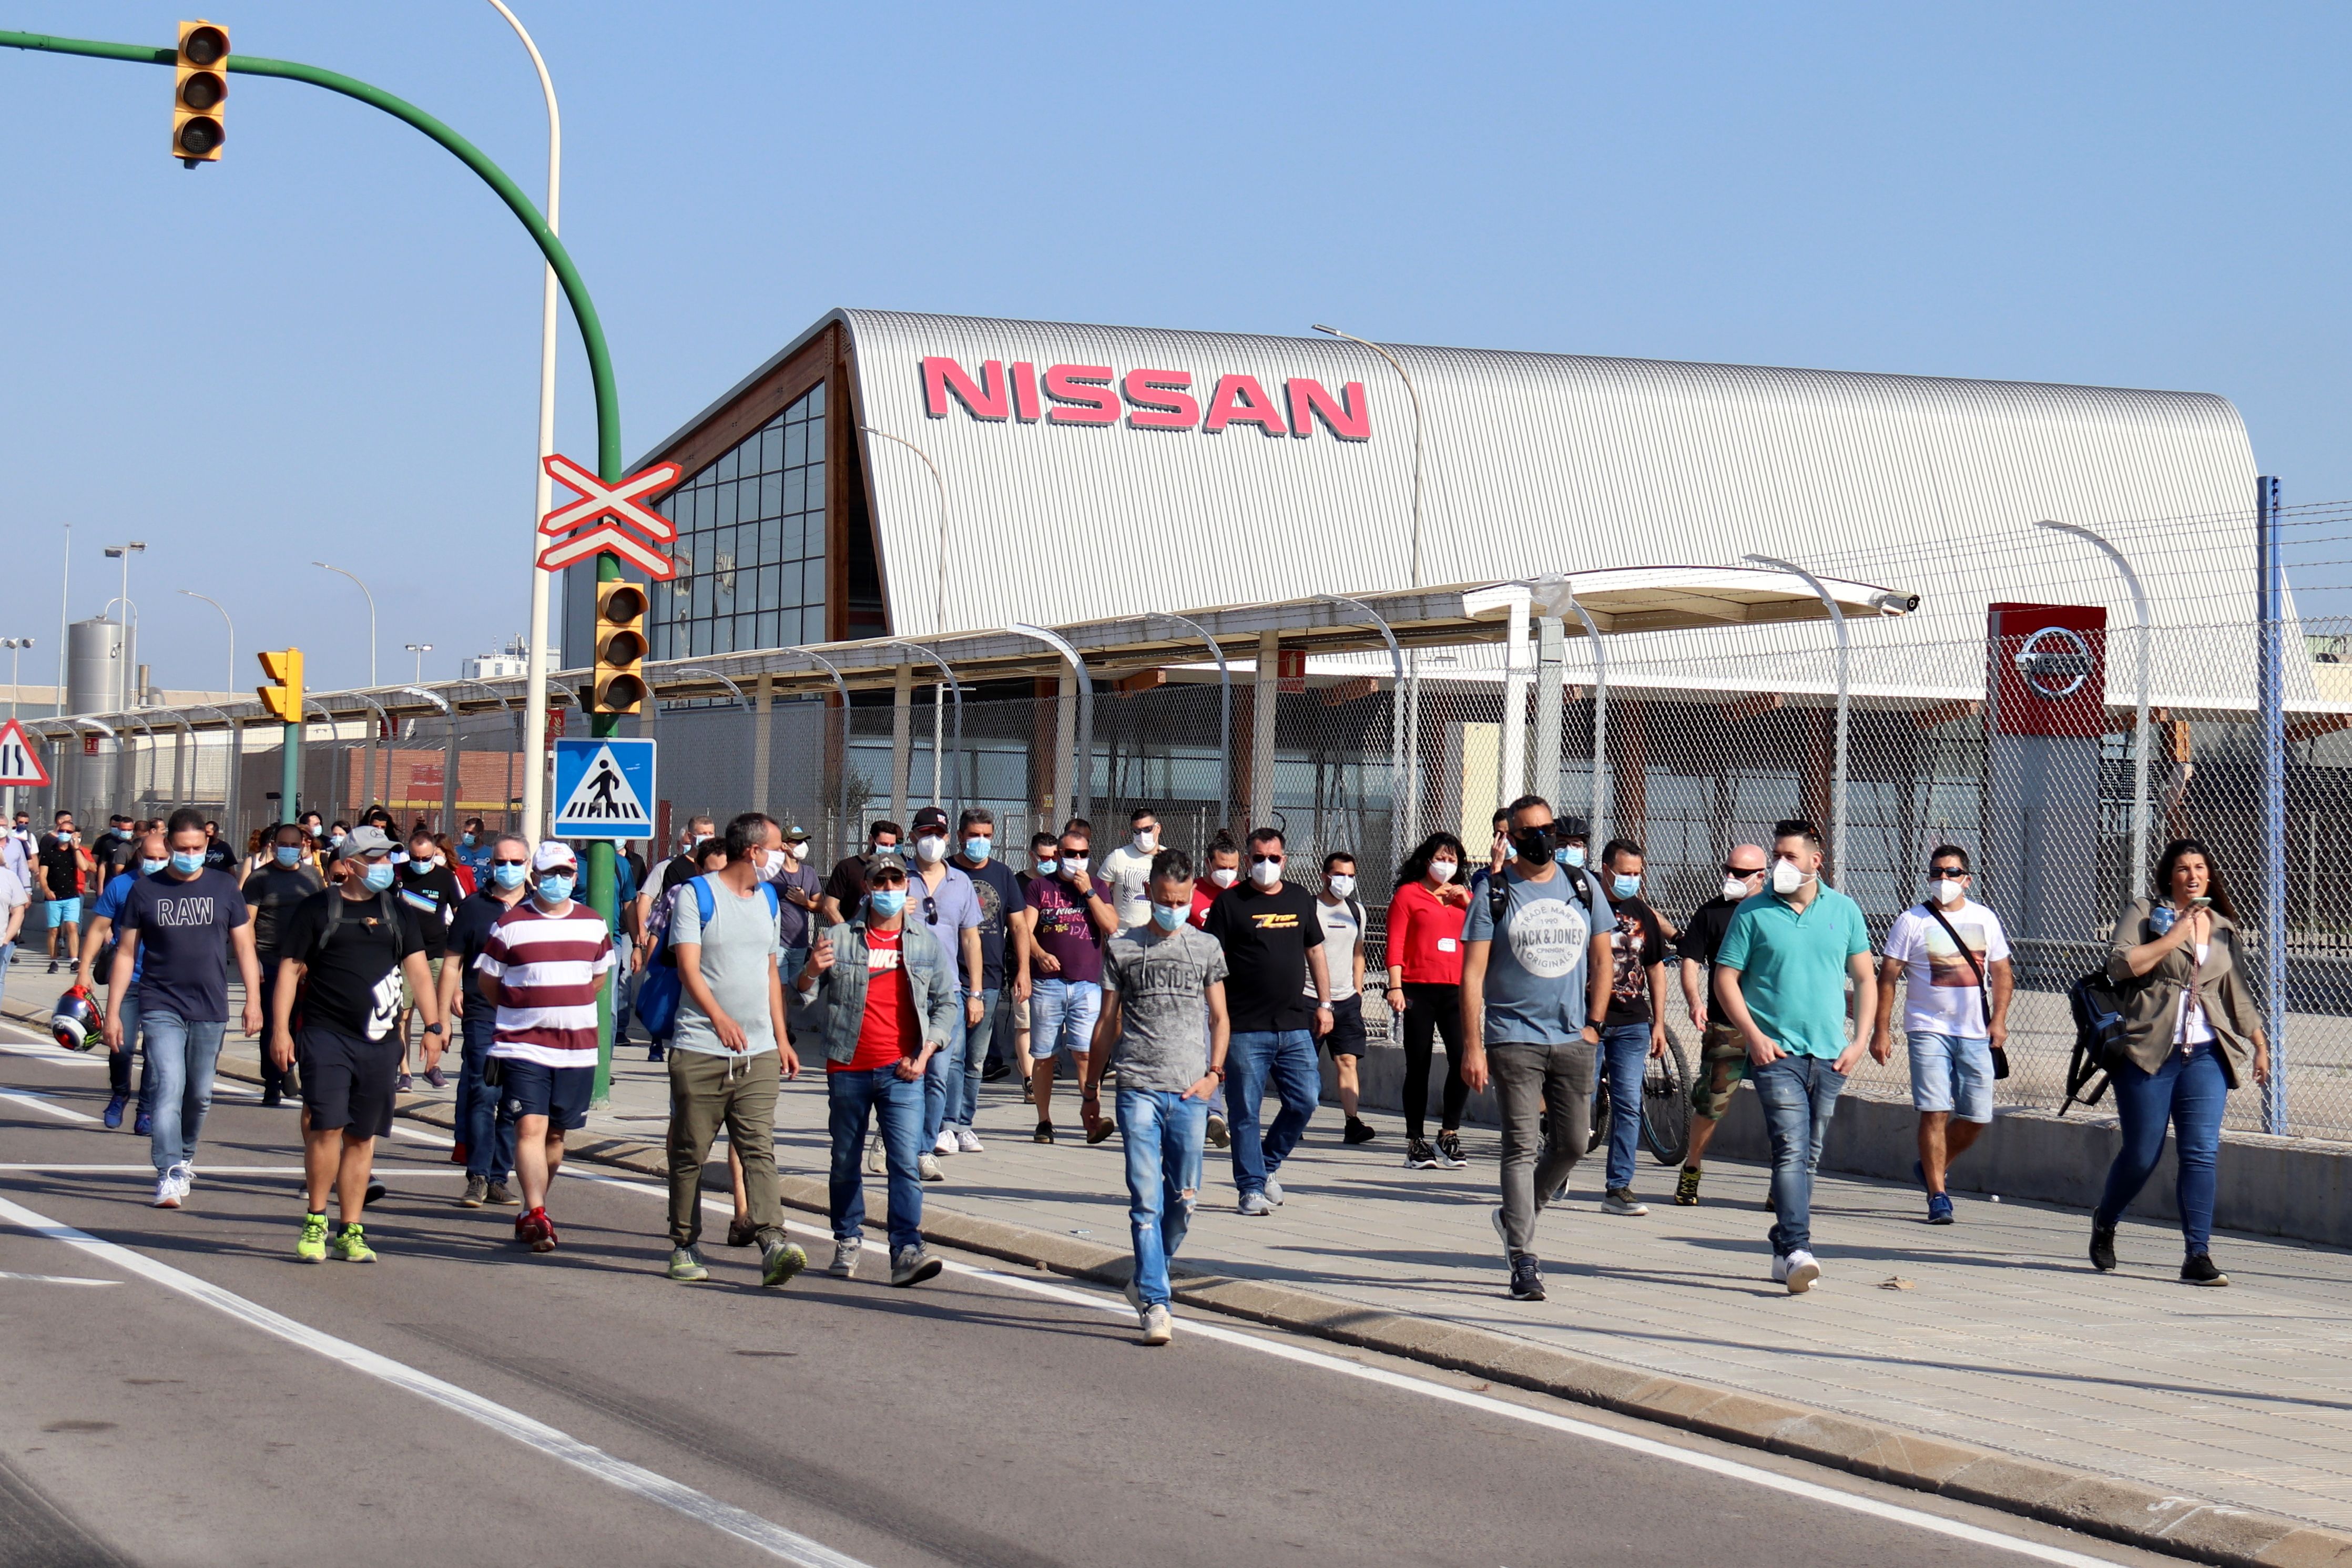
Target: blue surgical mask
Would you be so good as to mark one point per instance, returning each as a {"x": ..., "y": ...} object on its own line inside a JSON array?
[
  {"x": 1047, "y": 866},
  {"x": 379, "y": 874},
  {"x": 289, "y": 855},
  {"x": 886, "y": 901},
  {"x": 1167, "y": 917},
  {"x": 150, "y": 868},
  {"x": 467, "y": 839},
  {"x": 1569, "y": 854},
  {"x": 187, "y": 862},
  {"x": 556, "y": 886},
  {"x": 1623, "y": 887},
  {"x": 976, "y": 849},
  {"x": 509, "y": 875}
]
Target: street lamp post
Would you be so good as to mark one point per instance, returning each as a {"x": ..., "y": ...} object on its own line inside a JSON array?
[
  {"x": 16, "y": 646},
  {"x": 371, "y": 604},
  {"x": 420, "y": 650},
  {"x": 215, "y": 603},
  {"x": 123, "y": 552}
]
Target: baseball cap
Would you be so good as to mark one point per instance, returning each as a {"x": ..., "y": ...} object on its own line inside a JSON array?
[
  {"x": 551, "y": 854},
  {"x": 796, "y": 834},
  {"x": 364, "y": 840},
  {"x": 886, "y": 860},
  {"x": 930, "y": 817}
]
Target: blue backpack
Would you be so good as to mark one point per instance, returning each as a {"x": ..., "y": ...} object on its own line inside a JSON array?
[{"x": 659, "y": 992}]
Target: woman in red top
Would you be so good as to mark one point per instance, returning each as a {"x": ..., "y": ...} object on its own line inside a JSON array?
[{"x": 1424, "y": 953}]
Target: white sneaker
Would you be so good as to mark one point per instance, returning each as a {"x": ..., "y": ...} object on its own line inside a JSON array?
[
  {"x": 1253, "y": 1204},
  {"x": 185, "y": 1174},
  {"x": 1621, "y": 1200},
  {"x": 946, "y": 1143},
  {"x": 1797, "y": 1270},
  {"x": 167, "y": 1191},
  {"x": 876, "y": 1162},
  {"x": 967, "y": 1141},
  {"x": 1158, "y": 1327},
  {"x": 845, "y": 1257},
  {"x": 927, "y": 1167},
  {"x": 1273, "y": 1192}
]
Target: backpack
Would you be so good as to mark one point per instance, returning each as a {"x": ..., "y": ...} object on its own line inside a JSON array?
[
  {"x": 2098, "y": 1037},
  {"x": 1498, "y": 895},
  {"x": 661, "y": 989}
]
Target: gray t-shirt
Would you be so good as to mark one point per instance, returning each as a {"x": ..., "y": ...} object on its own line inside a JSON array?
[
  {"x": 739, "y": 949},
  {"x": 1342, "y": 934},
  {"x": 953, "y": 908},
  {"x": 1535, "y": 991},
  {"x": 1161, "y": 984}
]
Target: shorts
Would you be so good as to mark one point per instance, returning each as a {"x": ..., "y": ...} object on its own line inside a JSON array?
[
  {"x": 347, "y": 1082},
  {"x": 64, "y": 912},
  {"x": 532, "y": 1089},
  {"x": 1723, "y": 1062},
  {"x": 1951, "y": 1073},
  {"x": 1347, "y": 1036},
  {"x": 1062, "y": 1017},
  {"x": 407, "y": 993}
]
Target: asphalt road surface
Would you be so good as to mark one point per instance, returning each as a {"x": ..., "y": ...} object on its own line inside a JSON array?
[{"x": 179, "y": 1391}]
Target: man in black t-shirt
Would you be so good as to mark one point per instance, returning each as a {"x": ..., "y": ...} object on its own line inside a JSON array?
[
  {"x": 845, "y": 889},
  {"x": 430, "y": 888},
  {"x": 1723, "y": 1051},
  {"x": 344, "y": 956},
  {"x": 271, "y": 895},
  {"x": 1634, "y": 1027},
  {"x": 1273, "y": 940}
]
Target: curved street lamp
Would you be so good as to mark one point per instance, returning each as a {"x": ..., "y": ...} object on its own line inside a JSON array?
[{"x": 370, "y": 605}]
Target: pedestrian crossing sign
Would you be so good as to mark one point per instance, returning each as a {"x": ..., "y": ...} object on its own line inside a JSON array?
[
  {"x": 20, "y": 763},
  {"x": 605, "y": 788}
]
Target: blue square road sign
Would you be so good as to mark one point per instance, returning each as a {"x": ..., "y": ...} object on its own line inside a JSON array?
[{"x": 603, "y": 788}]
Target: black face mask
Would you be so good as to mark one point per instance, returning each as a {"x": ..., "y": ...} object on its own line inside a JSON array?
[{"x": 1533, "y": 843}]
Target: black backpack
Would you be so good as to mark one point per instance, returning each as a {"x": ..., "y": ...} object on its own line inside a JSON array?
[
  {"x": 1498, "y": 895},
  {"x": 2098, "y": 1037}
]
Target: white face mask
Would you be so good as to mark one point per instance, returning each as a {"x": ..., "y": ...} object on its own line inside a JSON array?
[
  {"x": 1266, "y": 873},
  {"x": 1147, "y": 840},
  {"x": 1787, "y": 878},
  {"x": 1735, "y": 886},
  {"x": 931, "y": 849},
  {"x": 770, "y": 862},
  {"x": 1946, "y": 891},
  {"x": 1077, "y": 864},
  {"x": 791, "y": 850},
  {"x": 1343, "y": 886},
  {"x": 1442, "y": 871},
  {"x": 1225, "y": 876}
]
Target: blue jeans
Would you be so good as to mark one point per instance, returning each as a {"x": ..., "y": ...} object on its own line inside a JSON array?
[
  {"x": 1062, "y": 1015},
  {"x": 2187, "y": 1092},
  {"x": 951, "y": 1083},
  {"x": 1162, "y": 1132},
  {"x": 1799, "y": 1095},
  {"x": 1253, "y": 1057},
  {"x": 181, "y": 1053},
  {"x": 856, "y": 1098},
  {"x": 483, "y": 1124},
  {"x": 1625, "y": 1061},
  {"x": 118, "y": 1063}
]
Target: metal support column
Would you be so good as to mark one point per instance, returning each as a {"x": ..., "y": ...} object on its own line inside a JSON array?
[
  {"x": 1397, "y": 846},
  {"x": 1264, "y": 689},
  {"x": 840, "y": 688},
  {"x": 1082, "y": 755},
  {"x": 1225, "y": 712},
  {"x": 938, "y": 741},
  {"x": 1551, "y": 654},
  {"x": 762, "y": 740},
  {"x": 2272, "y": 674},
  {"x": 902, "y": 742},
  {"x": 1511, "y": 776}
]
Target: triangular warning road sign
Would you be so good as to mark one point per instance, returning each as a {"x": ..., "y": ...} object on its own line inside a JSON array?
[
  {"x": 20, "y": 762},
  {"x": 602, "y": 797}
]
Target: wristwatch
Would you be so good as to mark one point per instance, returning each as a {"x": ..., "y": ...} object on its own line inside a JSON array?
[{"x": 432, "y": 1029}]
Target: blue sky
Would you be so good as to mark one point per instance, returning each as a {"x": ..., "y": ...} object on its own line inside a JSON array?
[{"x": 2146, "y": 195}]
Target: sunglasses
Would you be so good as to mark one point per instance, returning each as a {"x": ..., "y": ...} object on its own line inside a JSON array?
[
  {"x": 1266, "y": 860},
  {"x": 1953, "y": 871},
  {"x": 1743, "y": 870},
  {"x": 510, "y": 862}
]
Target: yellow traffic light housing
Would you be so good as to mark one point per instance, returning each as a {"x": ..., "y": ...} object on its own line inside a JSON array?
[
  {"x": 283, "y": 696},
  {"x": 199, "y": 88},
  {"x": 618, "y": 684}
]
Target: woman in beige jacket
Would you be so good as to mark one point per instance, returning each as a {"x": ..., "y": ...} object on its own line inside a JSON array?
[{"x": 2191, "y": 1034}]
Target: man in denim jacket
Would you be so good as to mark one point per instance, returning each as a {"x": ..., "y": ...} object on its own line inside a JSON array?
[{"x": 884, "y": 998}]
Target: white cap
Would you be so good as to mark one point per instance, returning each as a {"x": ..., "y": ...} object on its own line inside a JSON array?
[{"x": 552, "y": 853}]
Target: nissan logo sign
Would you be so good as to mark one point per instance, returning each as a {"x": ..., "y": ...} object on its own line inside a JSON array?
[{"x": 2055, "y": 662}]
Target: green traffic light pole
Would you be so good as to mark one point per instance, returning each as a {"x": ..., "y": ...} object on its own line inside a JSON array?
[{"x": 603, "y": 886}]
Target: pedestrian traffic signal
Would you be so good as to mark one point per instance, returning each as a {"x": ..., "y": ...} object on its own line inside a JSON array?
[
  {"x": 283, "y": 696},
  {"x": 199, "y": 88},
  {"x": 618, "y": 685}
]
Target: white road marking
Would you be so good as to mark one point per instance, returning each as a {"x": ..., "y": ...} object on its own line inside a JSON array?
[
  {"x": 56, "y": 1054},
  {"x": 44, "y": 1103},
  {"x": 204, "y": 1171},
  {"x": 774, "y": 1539},
  {"x": 55, "y": 1279}
]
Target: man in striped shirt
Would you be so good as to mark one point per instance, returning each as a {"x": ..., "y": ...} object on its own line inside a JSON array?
[{"x": 543, "y": 967}]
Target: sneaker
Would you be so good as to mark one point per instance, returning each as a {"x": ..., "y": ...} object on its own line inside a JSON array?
[
  {"x": 1449, "y": 1151},
  {"x": 433, "y": 1076},
  {"x": 374, "y": 1194},
  {"x": 844, "y": 1256},
  {"x": 1420, "y": 1154},
  {"x": 686, "y": 1267},
  {"x": 1044, "y": 1133},
  {"x": 1253, "y": 1204},
  {"x": 968, "y": 1142},
  {"x": 1527, "y": 1277},
  {"x": 779, "y": 1261},
  {"x": 312, "y": 1247},
  {"x": 927, "y": 1167},
  {"x": 1357, "y": 1132},
  {"x": 740, "y": 1232},
  {"x": 1620, "y": 1201},
  {"x": 1158, "y": 1327},
  {"x": 1686, "y": 1188},
  {"x": 476, "y": 1192},
  {"x": 876, "y": 1160},
  {"x": 350, "y": 1245},
  {"x": 1274, "y": 1194},
  {"x": 2199, "y": 1270},
  {"x": 167, "y": 1191},
  {"x": 114, "y": 1107},
  {"x": 946, "y": 1142},
  {"x": 502, "y": 1195},
  {"x": 185, "y": 1174},
  {"x": 912, "y": 1266},
  {"x": 1939, "y": 1209},
  {"x": 996, "y": 1072},
  {"x": 271, "y": 1099},
  {"x": 2103, "y": 1248},
  {"x": 403, "y": 1084},
  {"x": 654, "y": 1053},
  {"x": 527, "y": 1227},
  {"x": 1102, "y": 1127},
  {"x": 1219, "y": 1135},
  {"x": 1797, "y": 1271},
  {"x": 545, "y": 1240},
  {"x": 145, "y": 1123},
  {"x": 53, "y": 966}
]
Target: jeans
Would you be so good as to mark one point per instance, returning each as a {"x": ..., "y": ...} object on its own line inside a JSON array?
[
  {"x": 1544, "y": 1094},
  {"x": 1286, "y": 1057},
  {"x": 483, "y": 1124},
  {"x": 951, "y": 1083},
  {"x": 1162, "y": 1132},
  {"x": 1431, "y": 1011},
  {"x": 854, "y": 1098},
  {"x": 1799, "y": 1095},
  {"x": 181, "y": 1053},
  {"x": 118, "y": 1063},
  {"x": 2187, "y": 1092},
  {"x": 1625, "y": 1059},
  {"x": 1062, "y": 1015}
]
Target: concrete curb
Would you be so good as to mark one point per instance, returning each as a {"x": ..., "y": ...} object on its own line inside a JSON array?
[{"x": 2116, "y": 1510}]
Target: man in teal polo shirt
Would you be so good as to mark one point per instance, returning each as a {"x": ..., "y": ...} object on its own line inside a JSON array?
[{"x": 1780, "y": 980}]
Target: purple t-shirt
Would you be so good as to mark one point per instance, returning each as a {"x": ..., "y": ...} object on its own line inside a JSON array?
[{"x": 1065, "y": 928}]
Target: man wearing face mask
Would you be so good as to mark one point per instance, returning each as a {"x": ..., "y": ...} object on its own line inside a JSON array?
[
  {"x": 1635, "y": 1026},
  {"x": 271, "y": 894},
  {"x": 1341, "y": 915},
  {"x": 1128, "y": 870},
  {"x": 785, "y": 868},
  {"x": 188, "y": 921},
  {"x": 1225, "y": 870},
  {"x": 1278, "y": 992},
  {"x": 1000, "y": 895},
  {"x": 1779, "y": 979},
  {"x": 1723, "y": 1055},
  {"x": 847, "y": 886},
  {"x": 950, "y": 909},
  {"x": 429, "y": 888},
  {"x": 97, "y": 960},
  {"x": 1069, "y": 919},
  {"x": 474, "y": 845},
  {"x": 486, "y": 1134}
]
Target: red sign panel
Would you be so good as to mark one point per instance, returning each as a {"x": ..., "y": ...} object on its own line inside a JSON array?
[
  {"x": 2046, "y": 668},
  {"x": 609, "y": 517}
]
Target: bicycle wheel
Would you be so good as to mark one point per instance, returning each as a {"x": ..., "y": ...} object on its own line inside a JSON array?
[
  {"x": 1600, "y": 1116},
  {"x": 1667, "y": 1105}
]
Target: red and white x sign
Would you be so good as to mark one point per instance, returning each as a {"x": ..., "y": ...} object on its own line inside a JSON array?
[{"x": 608, "y": 517}]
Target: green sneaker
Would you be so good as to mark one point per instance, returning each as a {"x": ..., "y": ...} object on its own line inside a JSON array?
[
  {"x": 312, "y": 1248},
  {"x": 779, "y": 1262},
  {"x": 686, "y": 1267},
  {"x": 351, "y": 1246},
  {"x": 1686, "y": 1188}
]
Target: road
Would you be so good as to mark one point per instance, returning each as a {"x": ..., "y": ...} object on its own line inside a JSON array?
[{"x": 179, "y": 1391}]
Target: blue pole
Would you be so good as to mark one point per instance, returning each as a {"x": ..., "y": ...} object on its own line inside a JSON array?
[{"x": 2272, "y": 674}]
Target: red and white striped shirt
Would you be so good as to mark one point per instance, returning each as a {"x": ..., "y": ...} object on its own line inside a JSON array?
[{"x": 550, "y": 970}]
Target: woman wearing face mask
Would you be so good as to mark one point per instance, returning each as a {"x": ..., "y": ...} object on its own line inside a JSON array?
[
  {"x": 1424, "y": 991},
  {"x": 430, "y": 889},
  {"x": 2191, "y": 1035}
]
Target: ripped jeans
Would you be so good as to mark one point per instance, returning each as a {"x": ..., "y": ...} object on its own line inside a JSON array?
[{"x": 1161, "y": 1131}]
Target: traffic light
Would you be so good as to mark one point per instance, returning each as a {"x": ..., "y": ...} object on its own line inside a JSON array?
[
  {"x": 199, "y": 88},
  {"x": 618, "y": 685},
  {"x": 283, "y": 696}
]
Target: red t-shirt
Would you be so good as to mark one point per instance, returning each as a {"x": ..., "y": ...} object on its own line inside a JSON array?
[
  {"x": 1425, "y": 935},
  {"x": 887, "y": 1032},
  {"x": 1204, "y": 893}
]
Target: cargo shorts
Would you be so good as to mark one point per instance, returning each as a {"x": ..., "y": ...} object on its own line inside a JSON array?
[{"x": 1722, "y": 1063}]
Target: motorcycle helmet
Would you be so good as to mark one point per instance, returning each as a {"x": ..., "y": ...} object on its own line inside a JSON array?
[{"x": 75, "y": 1022}]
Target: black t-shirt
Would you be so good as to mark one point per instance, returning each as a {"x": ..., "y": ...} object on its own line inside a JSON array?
[
  {"x": 107, "y": 847},
  {"x": 847, "y": 886},
  {"x": 431, "y": 891},
  {"x": 467, "y": 934},
  {"x": 1000, "y": 892},
  {"x": 1638, "y": 942},
  {"x": 1703, "y": 938},
  {"x": 1265, "y": 937},
  {"x": 61, "y": 862},
  {"x": 272, "y": 892},
  {"x": 352, "y": 984},
  {"x": 219, "y": 855}
]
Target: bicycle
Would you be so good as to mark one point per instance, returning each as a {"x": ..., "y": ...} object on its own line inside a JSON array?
[{"x": 1666, "y": 1105}]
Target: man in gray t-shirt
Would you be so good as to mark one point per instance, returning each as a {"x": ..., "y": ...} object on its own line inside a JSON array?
[
  {"x": 1156, "y": 979},
  {"x": 729, "y": 1052}
]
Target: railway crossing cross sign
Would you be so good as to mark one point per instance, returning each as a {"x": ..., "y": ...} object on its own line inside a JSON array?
[{"x": 609, "y": 517}]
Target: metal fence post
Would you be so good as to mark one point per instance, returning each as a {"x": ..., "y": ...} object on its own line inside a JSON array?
[{"x": 2271, "y": 600}]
